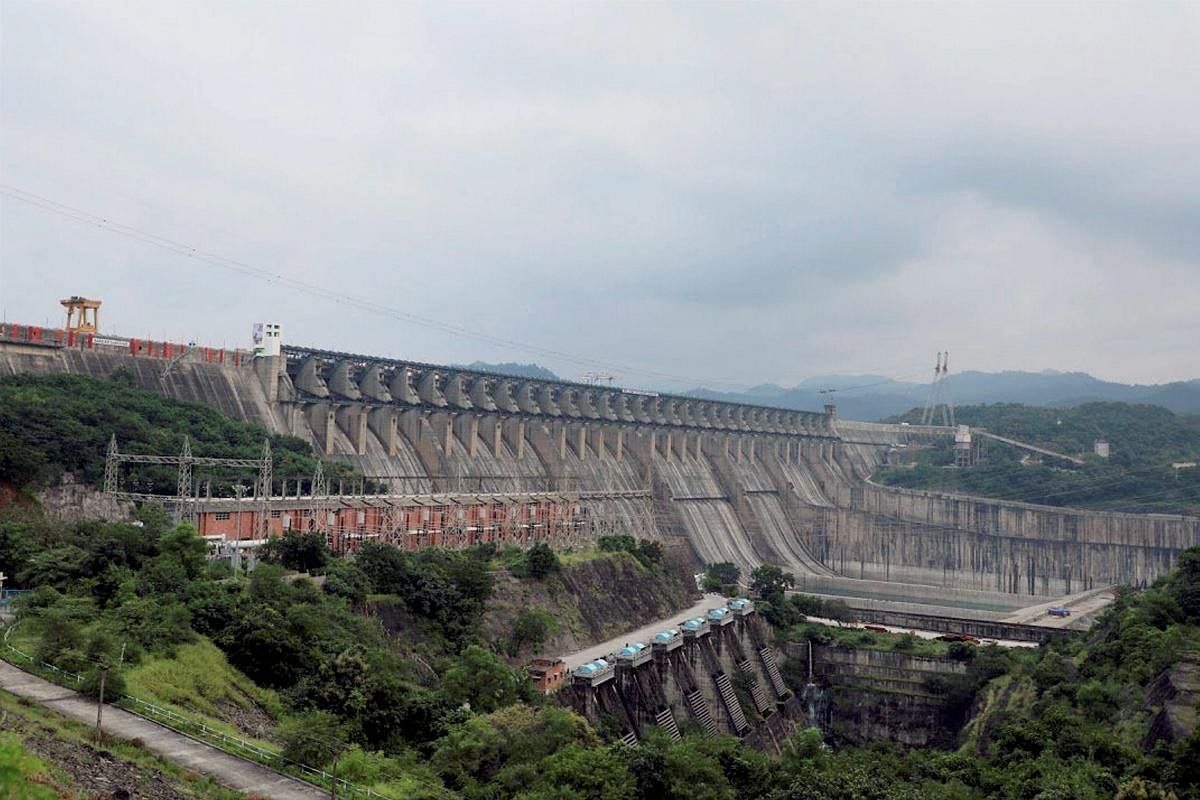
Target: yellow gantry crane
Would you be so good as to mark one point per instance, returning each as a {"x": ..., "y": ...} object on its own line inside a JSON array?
[{"x": 83, "y": 314}]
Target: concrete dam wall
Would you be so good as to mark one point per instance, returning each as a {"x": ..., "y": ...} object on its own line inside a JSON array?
[
  {"x": 721, "y": 680},
  {"x": 737, "y": 483}
]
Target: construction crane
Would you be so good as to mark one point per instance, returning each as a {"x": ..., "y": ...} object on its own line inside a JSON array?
[{"x": 597, "y": 378}]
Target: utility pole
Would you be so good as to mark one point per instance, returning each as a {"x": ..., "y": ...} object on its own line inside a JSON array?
[{"x": 103, "y": 667}]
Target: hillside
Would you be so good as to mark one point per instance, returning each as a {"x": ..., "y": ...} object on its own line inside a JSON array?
[
  {"x": 516, "y": 370},
  {"x": 51, "y": 424},
  {"x": 590, "y": 600},
  {"x": 1124, "y": 697},
  {"x": 873, "y": 397},
  {"x": 46, "y": 756},
  {"x": 1145, "y": 441},
  {"x": 435, "y": 714},
  {"x": 1107, "y": 713}
]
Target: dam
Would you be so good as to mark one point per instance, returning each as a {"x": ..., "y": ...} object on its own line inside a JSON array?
[{"x": 713, "y": 481}]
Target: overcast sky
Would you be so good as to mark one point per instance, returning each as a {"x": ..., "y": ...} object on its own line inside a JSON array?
[{"x": 729, "y": 194}]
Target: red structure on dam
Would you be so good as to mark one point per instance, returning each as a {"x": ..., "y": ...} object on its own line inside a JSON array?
[{"x": 410, "y": 522}]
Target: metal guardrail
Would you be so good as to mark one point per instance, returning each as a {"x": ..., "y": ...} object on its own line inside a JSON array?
[{"x": 200, "y": 732}]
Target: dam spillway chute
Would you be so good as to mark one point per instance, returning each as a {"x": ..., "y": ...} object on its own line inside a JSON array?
[
  {"x": 429, "y": 391},
  {"x": 372, "y": 384},
  {"x": 402, "y": 388},
  {"x": 502, "y": 395},
  {"x": 547, "y": 401},
  {"x": 456, "y": 393},
  {"x": 341, "y": 381},
  {"x": 308, "y": 378},
  {"x": 480, "y": 395}
]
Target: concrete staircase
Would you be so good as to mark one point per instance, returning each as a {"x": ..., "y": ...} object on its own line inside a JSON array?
[
  {"x": 666, "y": 720},
  {"x": 773, "y": 673},
  {"x": 729, "y": 697},
  {"x": 630, "y": 739},
  {"x": 701, "y": 712},
  {"x": 757, "y": 693}
]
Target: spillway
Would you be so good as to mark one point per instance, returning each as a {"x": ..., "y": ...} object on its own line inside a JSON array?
[{"x": 715, "y": 481}]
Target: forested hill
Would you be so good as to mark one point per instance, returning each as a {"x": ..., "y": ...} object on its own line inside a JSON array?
[
  {"x": 1145, "y": 442},
  {"x": 50, "y": 424},
  {"x": 872, "y": 397}
]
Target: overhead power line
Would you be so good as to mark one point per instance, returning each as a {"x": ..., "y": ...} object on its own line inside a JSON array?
[{"x": 342, "y": 298}]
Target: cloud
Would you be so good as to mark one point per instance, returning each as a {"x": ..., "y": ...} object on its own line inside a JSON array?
[{"x": 725, "y": 193}]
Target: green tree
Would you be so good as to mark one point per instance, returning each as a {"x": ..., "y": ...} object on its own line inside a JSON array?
[
  {"x": 479, "y": 678},
  {"x": 530, "y": 627},
  {"x": 722, "y": 576},
  {"x": 184, "y": 547},
  {"x": 648, "y": 552},
  {"x": 344, "y": 579},
  {"x": 578, "y": 773},
  {"x": 837, "y": 610},
  {"x": 303, "y": 551},
  {"x": 617, "y": 543},
  {"x": 53, "y": 567},
  {"x": 315, "y": 738},
  {"x": 770, "y": 582},
  {"x": 389, "y": 569},
  {"x": 61, "y": 642},
  {"x": 1188, "y": 578},
  {"x": 542, "y": 561},
  {"x": 261, "y": 644}
]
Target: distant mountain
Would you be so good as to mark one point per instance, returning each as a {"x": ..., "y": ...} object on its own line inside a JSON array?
[
  {"x": 516, "y": 370},
  {"x": 871, "y": 397}
]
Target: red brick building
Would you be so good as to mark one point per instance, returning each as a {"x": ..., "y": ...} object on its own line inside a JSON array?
[
  {"x": 547, "y": 673},
  {"x": 411, "y": 522}
]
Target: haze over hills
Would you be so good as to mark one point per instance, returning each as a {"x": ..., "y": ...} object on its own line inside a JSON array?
[
  {"x": 535, "y": 371},
  {"x": 872, "y": 397}
]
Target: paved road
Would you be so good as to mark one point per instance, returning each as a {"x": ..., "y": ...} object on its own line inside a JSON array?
[
  {"x": 1084, "y": 606},
  {"x": 643, "y": 634},
  {"x": 245, "y": 776}
]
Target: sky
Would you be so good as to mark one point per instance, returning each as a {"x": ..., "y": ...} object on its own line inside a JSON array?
[{"x": 677, "y": 195}]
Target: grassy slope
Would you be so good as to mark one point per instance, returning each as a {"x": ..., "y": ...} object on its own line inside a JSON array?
[
  {"x": 24, "y": 775},
  {"x": 200, "y": 684},
  {"x": 26, "y": 723}
]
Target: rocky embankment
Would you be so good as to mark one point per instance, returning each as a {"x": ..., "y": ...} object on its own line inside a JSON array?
[{"x": 589, "y": 601}]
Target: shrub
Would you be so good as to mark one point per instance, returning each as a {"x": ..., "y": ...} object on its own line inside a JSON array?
[{"x": 542, "y": 561}]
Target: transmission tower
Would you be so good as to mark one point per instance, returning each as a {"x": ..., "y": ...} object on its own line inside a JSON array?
[
  {"x": 183, "y": 485},
  {"x": 112, "y": 467},
  {"x": 939, "y": 402},
  {"x": 321, "y": 499},
  {"x": 265, "y": 479}
]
